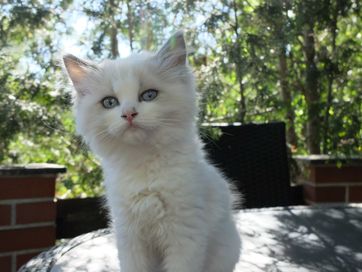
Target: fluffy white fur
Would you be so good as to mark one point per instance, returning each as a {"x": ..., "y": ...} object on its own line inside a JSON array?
[{"x": 171, "y": 208}]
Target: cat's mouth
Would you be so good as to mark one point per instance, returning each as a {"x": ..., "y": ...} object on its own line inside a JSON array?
[
  {"x": 132, "y": 126},
  {"x": 129, "y": 128},
  {"x": 133, "y": 134}
]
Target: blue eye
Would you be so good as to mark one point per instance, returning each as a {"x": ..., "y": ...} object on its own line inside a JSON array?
[
  {"x": 148, "y": 95},
  {"x": 109, "y": 102}
]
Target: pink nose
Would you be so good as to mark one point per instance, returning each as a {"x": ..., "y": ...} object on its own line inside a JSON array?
[{"x": 129, "y": 115}]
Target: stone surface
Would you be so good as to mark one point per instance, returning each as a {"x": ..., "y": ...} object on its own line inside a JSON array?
[{"x": 299, "y": 239}]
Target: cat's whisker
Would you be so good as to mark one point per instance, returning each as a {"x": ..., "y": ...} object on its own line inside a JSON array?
[
  {"x": 102, "y": 133},
  {"x": 57, "y": 129},
  {"x": 161, "y": 119},
  {"x": 157, "y": 124}
]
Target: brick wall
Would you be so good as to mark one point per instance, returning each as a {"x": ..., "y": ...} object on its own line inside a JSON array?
[
  {"x": 330, "y": 180},
  {"x": 27, "y": 213}
]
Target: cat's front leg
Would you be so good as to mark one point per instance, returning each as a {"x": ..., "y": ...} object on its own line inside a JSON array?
[
  {"x": 185, "y": 253},
  {"x": 132, "y": 254}
]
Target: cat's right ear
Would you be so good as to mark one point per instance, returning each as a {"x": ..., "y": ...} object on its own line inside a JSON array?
[
  {"x": 173, "y": 53},
  {"x": 78, "y": 70}
]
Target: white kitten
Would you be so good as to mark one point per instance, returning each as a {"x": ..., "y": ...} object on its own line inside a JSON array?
[{"x": 171, "y": 208}]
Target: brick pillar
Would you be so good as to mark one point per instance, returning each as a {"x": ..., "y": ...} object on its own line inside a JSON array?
[
  {"x": 27, "y": 212},
  {"x": 330, "y": 180}
]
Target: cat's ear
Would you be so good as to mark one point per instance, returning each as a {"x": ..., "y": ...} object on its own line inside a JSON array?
[
  {"x": 173, "y": 52},
  {"x": 77, "y": 70}
]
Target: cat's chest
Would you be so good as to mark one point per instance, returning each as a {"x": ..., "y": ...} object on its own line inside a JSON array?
[
  {"x": 146, "y": 205},
  {"x": 143, "y": 197},
  {"x": 150, "y": 193}
]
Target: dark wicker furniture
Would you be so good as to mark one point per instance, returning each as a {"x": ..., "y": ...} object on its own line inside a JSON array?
[{"x": 254, "y": 157}]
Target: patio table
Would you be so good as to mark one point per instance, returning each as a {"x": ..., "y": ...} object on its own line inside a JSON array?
[{"x": 322, "y": 238}]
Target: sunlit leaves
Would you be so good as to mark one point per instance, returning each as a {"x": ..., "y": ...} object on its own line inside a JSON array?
[{"x": 236, "y": 47}]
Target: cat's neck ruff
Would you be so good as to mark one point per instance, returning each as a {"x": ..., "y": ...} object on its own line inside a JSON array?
[{"x": 129, "y": 157}]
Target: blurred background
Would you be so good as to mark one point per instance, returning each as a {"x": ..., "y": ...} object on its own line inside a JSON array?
[{"x": 297, "y": 61}]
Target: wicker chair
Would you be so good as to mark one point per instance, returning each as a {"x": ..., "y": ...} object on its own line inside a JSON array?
[{"x": 254, "y": 157}]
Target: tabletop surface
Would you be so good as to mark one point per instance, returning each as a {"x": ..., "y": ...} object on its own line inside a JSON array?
[{"x": 302, "y": 239}]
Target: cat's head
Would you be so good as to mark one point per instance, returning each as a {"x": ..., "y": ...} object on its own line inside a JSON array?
[{"x": 145, "y": 99}]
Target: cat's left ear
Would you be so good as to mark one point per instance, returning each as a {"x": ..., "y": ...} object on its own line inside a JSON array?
[
  {"x": 173, "y": 52},
  {"x": 78, "y": 70}
]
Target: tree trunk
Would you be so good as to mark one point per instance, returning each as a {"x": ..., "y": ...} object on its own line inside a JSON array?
[
  {"x": 330, "y": 76},
  {"x": 312, "y": 95},
  {"x": 239, "y": 66},
  {"x": 242, "y": 104},
  {"x": 130, "y": 24},
  {"x": 287, "y": 97},
  {"x": 114, "y": 43},
  {"x": 113, "y": 31},
  {"x": 239, "y": 76}
]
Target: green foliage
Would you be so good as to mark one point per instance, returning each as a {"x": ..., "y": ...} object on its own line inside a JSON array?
[
  {"x": 251, "y": 37},
  {"x": 35, "y": 116},
  {"x": 250, "y": 60},
  {"x": 83, "y": 177}
]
